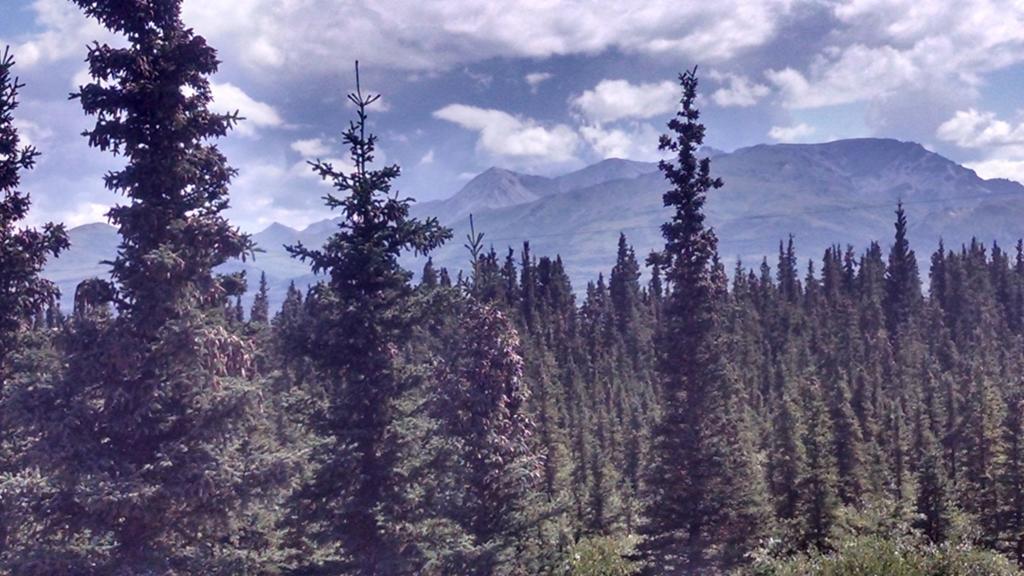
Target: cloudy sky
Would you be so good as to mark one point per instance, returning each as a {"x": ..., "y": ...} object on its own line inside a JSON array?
[{"x": 543, "y": 86}]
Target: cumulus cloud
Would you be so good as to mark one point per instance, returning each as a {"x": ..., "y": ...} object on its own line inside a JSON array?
[
  {"x": 230, "y": 98},
  {"x": 31, "y": 133},
  {"x": 1001, "y": 142},
  {"x": 64, "y": 32},
  {"x": 794, "y": 133},
  {"x": 978, "y": 129},
  {"x": 417, "y": 35},
  {"x": 1009, "y": 168},
  {"x": 613, "y": 100},
  {"x": 535, "y": 79},
  {"x": 884, "y": 47},
  {"x": 505, "y": 135},
  {"x": 311, "y": 147},
  {"x": 81, "y": 78},
  {"x": 853, "y": 74},
  {"x": 637, "y": 142},
  {"x": 737, "y": 90},
  {"x": 326, "y": 34},
  {"x": 276, "y": 191}
]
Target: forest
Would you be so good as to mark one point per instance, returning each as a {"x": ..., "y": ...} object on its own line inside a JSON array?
[{"x": 851, "y": 415}]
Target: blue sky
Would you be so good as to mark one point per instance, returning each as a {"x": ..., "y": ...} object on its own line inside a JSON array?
[{"x": 542, "y": 86}]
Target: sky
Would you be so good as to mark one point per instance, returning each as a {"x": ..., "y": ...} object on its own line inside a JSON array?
[{"x": 540, "y": 86}]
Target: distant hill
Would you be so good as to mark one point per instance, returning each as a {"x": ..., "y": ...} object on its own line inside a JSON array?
[
  {"x": 837, "y": 192},
  {"x": 498, "y": 188}
]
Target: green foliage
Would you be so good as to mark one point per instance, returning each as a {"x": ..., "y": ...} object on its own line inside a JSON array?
[
  {"x": 23, "y": 251},
  {"x": 153, "y": 456},
  {"x": 833, "y": 423},
  {"x": 706, "y": 506},
  {"x": 351, "y": 507},
  {"x": 602, "y": 556},
  {"x": 874, "y": 556}
]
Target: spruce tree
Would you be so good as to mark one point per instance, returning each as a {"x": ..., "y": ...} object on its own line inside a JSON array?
[
  {"x": 706, "y": 506},
  {"x": 820, "y": 483},
  {"x": 348, "y": 508},
  {"x": 934, "y": 502},
  {"x": 624, "y": 290},
  {"x": 902, "y": 281},
  {"x": 428, "y": 278},
  {"x": 482, "y": 404},
  {"x": 1011, "y": 479},
  {"x": 23, "y": 251},
  {"x": 149, "y": 442},
  {"x": 787, "y": 462},
  {"x": 260, "y": 311},
  {"x": 23, "y": 293}
]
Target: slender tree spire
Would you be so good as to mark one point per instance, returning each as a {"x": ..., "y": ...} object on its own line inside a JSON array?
[
  {"x": 348, "y": 505},
  {"x": 260, "y": 312},
  {"x": 703, "y": 480},
  {"x": 902, "y": 281}
]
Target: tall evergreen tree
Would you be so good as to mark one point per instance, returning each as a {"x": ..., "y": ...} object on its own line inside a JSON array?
[
  {"x": 23, "y": 292},
  {"x": 347, "y": 509},
  {"x": 902, "y": 281},
  {"x": 260, "y": 311},
  {"x": 934, "y": 501},
  {"x": 148, "y": 447},
  {"x": 482, "y": 403},
  {"x": 707, "y": 506},
  {"x": 23, "y": 251},
  {"x": 820, "y": 484}
]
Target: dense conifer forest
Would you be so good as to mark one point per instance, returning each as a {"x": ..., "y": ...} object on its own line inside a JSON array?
[{"x": 852, "y": 414}]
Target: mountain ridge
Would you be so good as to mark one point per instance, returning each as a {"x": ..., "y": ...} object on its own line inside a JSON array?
[{"x": 842, "y": 191}]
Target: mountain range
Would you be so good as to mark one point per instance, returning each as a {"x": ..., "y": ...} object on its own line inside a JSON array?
[{"x": 837, "y": 192}]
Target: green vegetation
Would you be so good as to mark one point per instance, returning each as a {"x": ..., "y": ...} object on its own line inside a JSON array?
[
  {"x": 870, "y": 556},
  {"x": 836, "y": 419}
]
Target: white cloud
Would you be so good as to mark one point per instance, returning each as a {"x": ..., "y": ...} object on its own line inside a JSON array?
[
  {"x": 882, "y": 48},
  {"x": 1009, "y": 168},
  {"x": 303, "y": 169},
  {"x": 1001, "y": 141},
  {"x": 613, "y": 100},
  {"x": 81, "y": 78},
  {"x": 502, "y": 134},
  {"x": 86, "y": 213},
  {"x": 229, "y": 98},
  {"x": 31, "y": 133},
  {"x": 70, "y": 213},
  {"x": 535, "y": 79},
  {"x": 311, "y": 147},
  {"x": 65, "y": 32},
  {"x": 973, "y": 129},
  {"x": 379, "y": 105},
  {"x": 794, "y": 133},
  {"x": 279, "y": 190},
  {"x": 416, "y": 35},
  {"x": 737, "y": 90},
  {"x": 853, "y": 74},
  {"x": 427, "y": 158},
  {"x": 639, "y": 142}
]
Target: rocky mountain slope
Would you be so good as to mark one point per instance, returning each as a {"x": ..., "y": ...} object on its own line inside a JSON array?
[{"x": 838, "y": 192}]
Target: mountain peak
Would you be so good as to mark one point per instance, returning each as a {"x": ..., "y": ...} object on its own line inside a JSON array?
[
  {"x": 278, "y": 228},
  {"x": 97, "y": 227},
  {"x": 496, "y": 171},
  {"x": 842, "y": 191},
  {"x": 606, "y": 170},
  {"x": 492, "y": 189}
]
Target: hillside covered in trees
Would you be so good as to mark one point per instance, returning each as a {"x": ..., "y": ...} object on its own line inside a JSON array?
[{"x": 851, "y": 414}]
